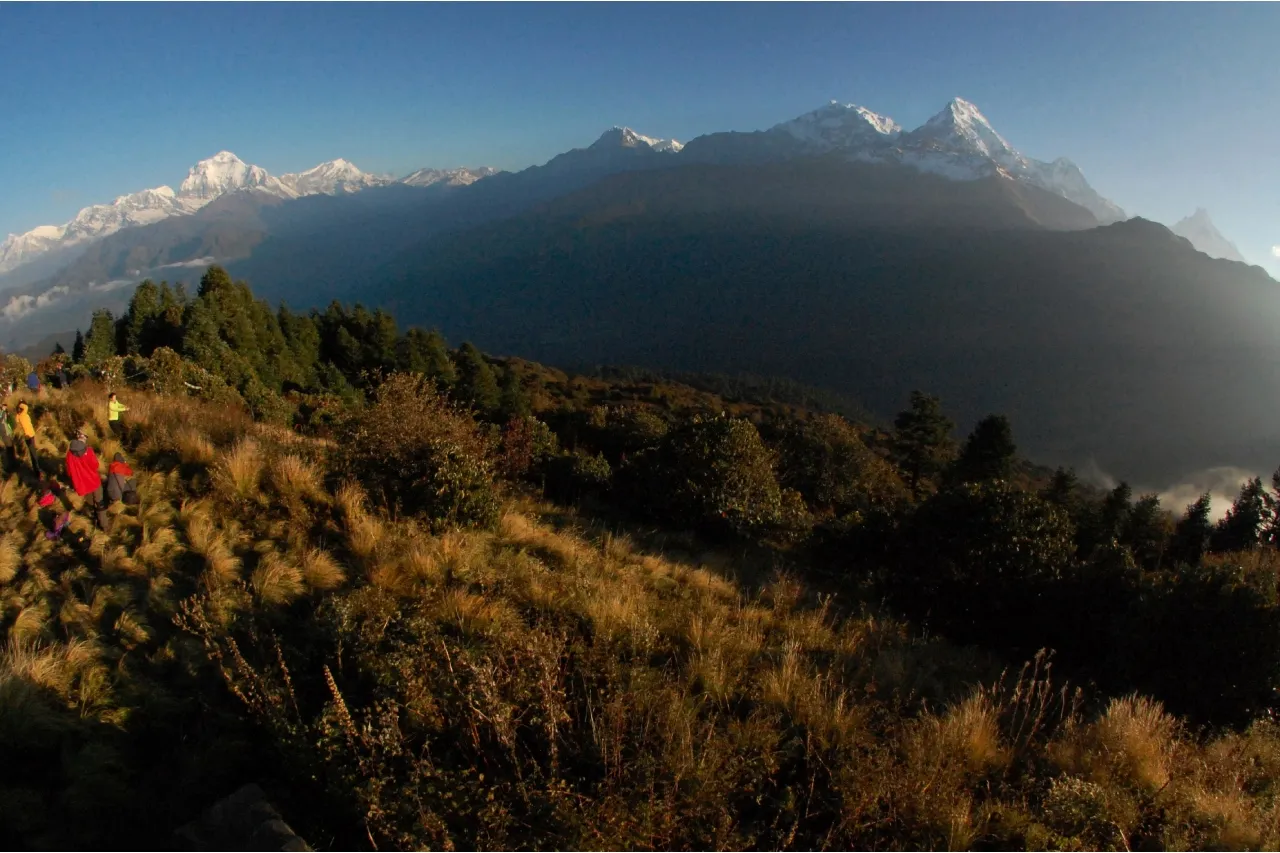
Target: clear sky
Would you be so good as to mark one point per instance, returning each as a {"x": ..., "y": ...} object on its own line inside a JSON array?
[{"x": 1165, "y": 107}]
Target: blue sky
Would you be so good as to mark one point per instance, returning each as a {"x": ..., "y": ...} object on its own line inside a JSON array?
[{"x": 1165, "y": 107}]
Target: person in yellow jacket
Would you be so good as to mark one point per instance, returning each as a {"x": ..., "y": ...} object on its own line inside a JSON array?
[
  {"x": 25, "y": 432},
  {"x": 114, "y": 408}
]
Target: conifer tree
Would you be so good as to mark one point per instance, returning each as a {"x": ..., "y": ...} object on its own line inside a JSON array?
[
  {"x": 77, "y": 349},
  {"x": 100, "y": 343},
  {"x": 513, "y": 401},
  {"x": 921, "y": 439},
  {"x": 1192, "y": 533},
  {"x": 140, "y": 319},
  {"x": 476, "y": 383},
  {"x": 440, "y": 366},
  {"x": 1242, "y": 527},
  {"x": 1061, "y": 490},
  {"x": 1147, "y": 532},
  {"x": 988, "y": 452}
]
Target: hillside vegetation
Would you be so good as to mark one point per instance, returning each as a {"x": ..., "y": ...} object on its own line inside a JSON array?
[{"x": 429, "y": 599}]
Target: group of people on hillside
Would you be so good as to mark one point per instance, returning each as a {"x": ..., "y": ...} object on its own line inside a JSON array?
[
  {"x": 57, "y": 375},
  {"x": 17, "y": 435}
]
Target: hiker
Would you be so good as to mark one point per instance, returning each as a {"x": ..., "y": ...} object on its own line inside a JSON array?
[
  {"x": 33, "y": 383},
  {"x": 82, "y": 468},
  {"x": 6, "y": 438},
  {"x": 114, "y": 408},
  {"x": 25, "y": 433},
  {"x": 120, "y": 484}
]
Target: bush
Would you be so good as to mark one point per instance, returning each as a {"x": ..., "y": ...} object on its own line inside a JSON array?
[
  {"x": 420, "y": 455},
  {"x": 988, "y": 563},
  {"x": 826, "y": 460},
  {"x": 576, "y": 475},
  {"x": 526, "y": 445},
  {"x": 618, "y": 431},
  {"x": 713, "y": 473}
]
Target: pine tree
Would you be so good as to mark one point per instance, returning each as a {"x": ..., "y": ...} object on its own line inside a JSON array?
[
  {"x": 1192, "y": 533},
  {"x": 215, "y": 282},
  {"x": 100, "y": 343},
  {"x": 435, "y": 351},
  {"x": 382, "y": 340},
  {"x": 1241, "y": 529},
  {"x": 1147, "y": 532},
  {"x": 1061, "y": 490},
  {"x": 513, "y": 401},
  {"x": 348, "y": 354},
  {"x": 77, "y": 349},
  {"x": 921, "y": 439},
  {"x": 988, "y": 453},
  {"x": 476, "y": 383},
  {"x": 140, "y": 319}
]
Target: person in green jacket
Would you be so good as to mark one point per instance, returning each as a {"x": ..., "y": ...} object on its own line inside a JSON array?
[{"x": 114, "y": 408}]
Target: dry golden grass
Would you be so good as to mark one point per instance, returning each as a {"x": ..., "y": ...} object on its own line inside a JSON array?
[
  {"x": 364, "y": 530},
  {"x": 320, "y": 570},
  {"x": 294, "y": 478},
  {"x": 681, "y": 671},
  {"x": 211, "y": 544},
  {"x": 194, "y": 447},
  {"x": 1135, "y": 742},
  {"x": 276, "y": 581},
  {"x": 10, "y": 556},
  {"x": 238, "y": 473}
]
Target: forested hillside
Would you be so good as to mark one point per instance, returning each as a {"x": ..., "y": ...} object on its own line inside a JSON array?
[{"x": 431, "y": 598}]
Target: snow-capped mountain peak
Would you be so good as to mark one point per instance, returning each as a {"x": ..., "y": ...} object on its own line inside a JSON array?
[
  {"x": 335, "y": 176},
  {"x": 447, "y": 177},
  {"x": 840, "y": 126},
  {"x": 962, "y": 129},
  {"x": 1200, "y": 231},
  {"x": 224, "y": 172},
  {"x": 625, "y": 137}
]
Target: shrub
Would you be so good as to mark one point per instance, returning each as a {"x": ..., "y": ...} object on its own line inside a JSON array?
[
  {"x": 714, "y": 473},
  {"x": 526, "y": 445},
  {"x": 826, "y": 460},
  {"x": 419, "y": 454},
  {"x": 573, "y": 476}
]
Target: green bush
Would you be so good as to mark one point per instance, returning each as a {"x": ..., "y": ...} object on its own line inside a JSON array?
[
  {"x": 714, "y": 473},
  {"x": 420, "y": 455},
  {"x": 826, "y": 460},
  {"x": 573, "y": 476}
]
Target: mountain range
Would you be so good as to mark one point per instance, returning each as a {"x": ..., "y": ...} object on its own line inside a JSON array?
[
  {"x": 206, "y": 181},
  {"x": 835, "y": 248}
]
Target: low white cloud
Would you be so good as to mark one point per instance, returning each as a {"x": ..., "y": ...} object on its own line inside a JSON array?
[
  {"x": 1221, "y": 483},
  {"x": 1275, "y": 251},
  {"x": 20, "y": 306},
  {"x": 195, "y": 262},
  {"x": 114, "y": 284}
]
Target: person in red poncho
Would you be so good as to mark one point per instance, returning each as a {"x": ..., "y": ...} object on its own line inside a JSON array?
[
  {"x": 120, "y": 484},
  {"x": 82, "y": 468}
]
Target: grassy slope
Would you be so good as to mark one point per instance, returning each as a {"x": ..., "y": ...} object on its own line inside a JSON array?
[{"x": 611, "y": 689}]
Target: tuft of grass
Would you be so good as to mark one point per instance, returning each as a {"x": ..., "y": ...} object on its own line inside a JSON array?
[
  {"x": 194, "y": 447},
  {"x": 276, "y": 581},
  {"x": 364, "y": 530},
  {"x": 320, "y": 570},
  {"x": 296, "y": 479},
  {"x": 10, "y": 556},
  {"x": 238, "y": 474},
  {"x": 474, "y": 614},
  {"x": 209, "y": 543}
]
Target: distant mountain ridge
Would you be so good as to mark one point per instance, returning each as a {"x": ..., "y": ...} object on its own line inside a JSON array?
[{"x": 206, "y": 181}]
